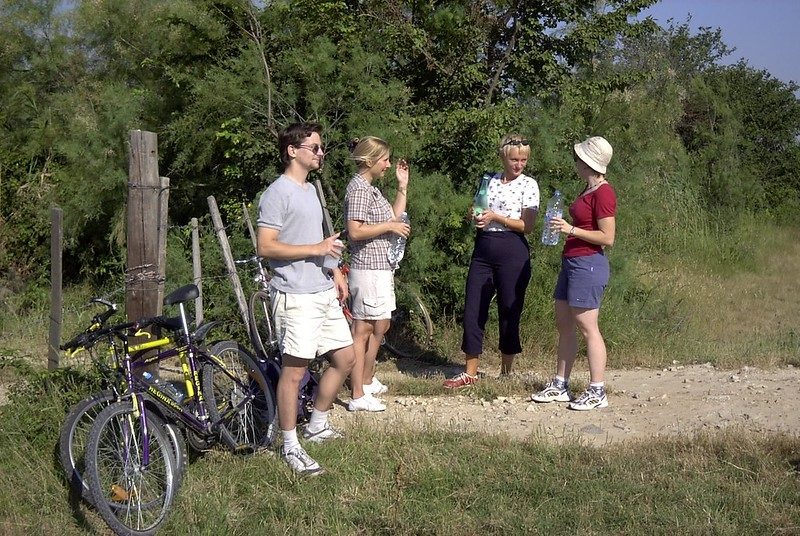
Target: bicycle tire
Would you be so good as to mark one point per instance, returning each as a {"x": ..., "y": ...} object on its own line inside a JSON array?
[
  {"x": 74, "y": 436},
  {"x": 239, "y": 398},
  {"x": 262, "y": 334},
  {"x": 411, "y": 332},
  {"x": 130, "y": 497}
]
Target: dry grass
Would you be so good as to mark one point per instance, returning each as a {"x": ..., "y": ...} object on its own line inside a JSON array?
[{"x": 744, "y": 317}]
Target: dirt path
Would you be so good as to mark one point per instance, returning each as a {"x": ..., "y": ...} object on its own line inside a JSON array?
[{"x": 643, "y": 404}]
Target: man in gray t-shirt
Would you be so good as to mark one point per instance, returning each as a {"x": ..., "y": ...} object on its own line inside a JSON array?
[
  {"x": 306, "y": 296},
  {"x": 295, "y": 212}
]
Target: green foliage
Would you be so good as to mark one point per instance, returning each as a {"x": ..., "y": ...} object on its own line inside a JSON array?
[{"x": 699, "y": 148}]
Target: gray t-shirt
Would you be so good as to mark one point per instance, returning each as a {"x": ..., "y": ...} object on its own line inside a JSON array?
[{"x": 295, "y": 212}]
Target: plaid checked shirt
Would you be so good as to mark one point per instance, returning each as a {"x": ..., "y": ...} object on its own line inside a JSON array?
[{"x": 364, "y": 202}]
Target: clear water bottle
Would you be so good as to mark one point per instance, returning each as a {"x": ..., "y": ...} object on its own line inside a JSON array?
[
  {"x": 397, "y": 245},
  {"x": 167, "y": 388},
  {"x": 555, "y": 209},
  {"x": 480, "y": 202},
  {"x": 175, "y": 391}
]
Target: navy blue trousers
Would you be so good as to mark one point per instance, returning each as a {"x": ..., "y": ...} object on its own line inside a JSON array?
[{"x": 500, "y": 265}]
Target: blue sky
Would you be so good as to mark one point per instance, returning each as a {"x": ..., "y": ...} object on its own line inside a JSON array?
[{"x": 764, "y": 32}]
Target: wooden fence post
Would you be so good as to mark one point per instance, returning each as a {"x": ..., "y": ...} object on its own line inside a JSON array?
[
  {"x": 163, "y": 230},
  {"x": 197, "y": 271},
  {"x": 222, "y": 236},
  {"x": 250, "y": 229},
  {"x": 327, "y": 224},
  {"x": 141, "y": 272},
  {"x": 141, "y": 264},
  {"x": 56, "y": 245}
]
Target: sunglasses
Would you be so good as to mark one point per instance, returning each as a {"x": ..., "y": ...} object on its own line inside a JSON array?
[
  {"x": 523, "y": 143},
  {"x": 316, "y": 148}
]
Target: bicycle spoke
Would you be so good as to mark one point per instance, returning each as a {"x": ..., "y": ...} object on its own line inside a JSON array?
[
  {"x": 129, "y": 494},
  {"x": 239, "y": 398}
]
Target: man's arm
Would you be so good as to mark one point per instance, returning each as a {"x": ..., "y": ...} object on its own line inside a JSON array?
[{"x": 271, "y": 248}]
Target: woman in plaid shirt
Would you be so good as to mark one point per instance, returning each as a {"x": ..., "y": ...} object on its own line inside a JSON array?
[{"x": 371, "y": 221}]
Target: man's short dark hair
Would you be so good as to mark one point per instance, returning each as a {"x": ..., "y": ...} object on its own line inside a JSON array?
[{"x": 294, "y": 134}]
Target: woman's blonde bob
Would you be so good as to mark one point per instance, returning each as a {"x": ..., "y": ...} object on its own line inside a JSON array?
[{"x": 368, "y": 150}]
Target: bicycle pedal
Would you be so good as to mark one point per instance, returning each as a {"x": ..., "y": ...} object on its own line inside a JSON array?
[{"x": 244, "y": 449}]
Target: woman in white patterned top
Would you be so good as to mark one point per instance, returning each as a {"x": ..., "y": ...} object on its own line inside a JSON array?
[
  {"x": 371, "y": 222},
  {"x": 501, "y": 261}
]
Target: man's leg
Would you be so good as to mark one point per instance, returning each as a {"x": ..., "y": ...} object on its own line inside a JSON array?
[
  {"x": 292, "y": 371},
  {"x": 342, "y": 362},
  {"x": 318, "y": 429}
]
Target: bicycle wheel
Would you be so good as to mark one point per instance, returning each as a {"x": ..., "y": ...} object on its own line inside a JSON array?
[
  {"x": 74, "y": 437},
  {"x": 131, "y": 496},
  {"x": 262, "y": 334},
  {"x": 239, "y": 398},
  {"x": 411, "y": 332}
]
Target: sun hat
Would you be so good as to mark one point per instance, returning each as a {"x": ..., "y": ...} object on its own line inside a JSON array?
[{"x": 595, "y": 152}]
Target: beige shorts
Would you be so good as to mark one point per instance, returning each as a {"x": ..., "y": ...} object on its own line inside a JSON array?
[
  {"x": 309, "y": 325},
  {"x": 372, "y": 294}
]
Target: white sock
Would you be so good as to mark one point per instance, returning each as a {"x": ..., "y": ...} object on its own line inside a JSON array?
[
  {"x": 559, "y": 379},
  {"x": 597, "y": 385},
  {"x": 317, "y": 420},
  {"x": 290, "y": 441}
]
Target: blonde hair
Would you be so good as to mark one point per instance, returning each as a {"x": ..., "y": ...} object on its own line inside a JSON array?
[
  {"x": 512, "y": 141},
  {"x": 366, "y": 151}
]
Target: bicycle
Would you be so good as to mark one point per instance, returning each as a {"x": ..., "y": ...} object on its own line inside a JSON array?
[
  {"x": 74, "y": 431},
  {"x": 130, "y": 467}
]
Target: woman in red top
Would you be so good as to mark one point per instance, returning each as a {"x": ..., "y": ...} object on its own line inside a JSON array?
[{"x": 583, "y": 277}]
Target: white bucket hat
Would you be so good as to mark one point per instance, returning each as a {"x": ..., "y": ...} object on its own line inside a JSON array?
[{"x": 595, "y": 152}]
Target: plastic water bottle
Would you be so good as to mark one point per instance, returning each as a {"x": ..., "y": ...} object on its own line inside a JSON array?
[
  {"x": 330, "y": 262},
  {"x": 167, "y": 388},
  {"x": 397, "y": 245},
  {"x": 174, "y": 391},
  {"x": 555, "y": 209},
  {"x": 481, "y": 200}
]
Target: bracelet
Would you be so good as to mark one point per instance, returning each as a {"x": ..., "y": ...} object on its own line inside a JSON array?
[
  {"x": 572, "y": 231},
  {"x": 401, "y": 191}
]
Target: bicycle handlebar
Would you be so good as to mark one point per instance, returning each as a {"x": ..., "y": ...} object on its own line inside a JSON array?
[
  {"x": 89, "y": 337},
  {"x": 255, "y": 259},
  {"x": 101, "y": 318}
]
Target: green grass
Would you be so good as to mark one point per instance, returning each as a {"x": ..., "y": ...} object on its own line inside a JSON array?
[{"x": 402, "y": 481}]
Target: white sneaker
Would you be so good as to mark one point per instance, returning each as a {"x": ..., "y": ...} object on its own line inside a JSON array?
[
  {"x": 375, "y": 388},
  {"x": 327, "y": 432},
  {"x": 300, "y": 462},
  {"x": 592, "y": 398},
  {"x": 554, "y": 391},
  {"x": 366, "y": 403}
]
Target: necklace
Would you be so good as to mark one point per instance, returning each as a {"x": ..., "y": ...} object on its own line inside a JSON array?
[{"x": 592, "y": 187}]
